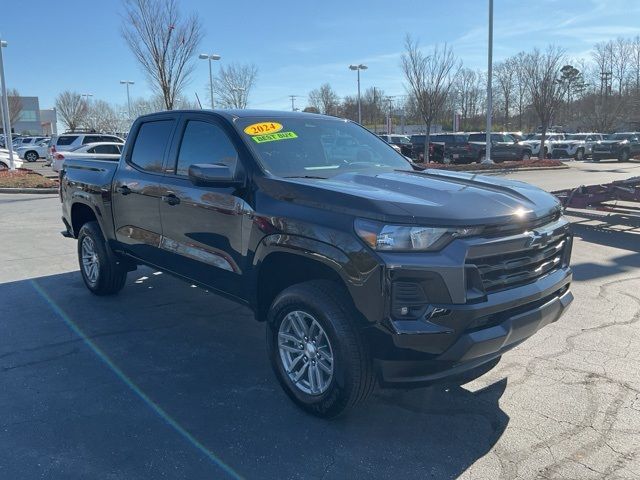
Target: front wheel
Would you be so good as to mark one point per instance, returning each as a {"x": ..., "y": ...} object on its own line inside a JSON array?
[
  {"x": 579, "y": 154},
  {"x": 316, "y": 350},
  {"x": 526, "y": 155},
  {"x": 31, "y": 156},
  {"x": 101, "y": 271},
  {"x": 624, "y": 156}
]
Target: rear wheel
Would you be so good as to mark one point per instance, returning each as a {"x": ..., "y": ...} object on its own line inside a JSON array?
[
  {"x": 4, "y": 166},
  {"x": 102, "y": 273},
  {"x": 31, "y": 156},
  {"x": 316, "y": 351}
]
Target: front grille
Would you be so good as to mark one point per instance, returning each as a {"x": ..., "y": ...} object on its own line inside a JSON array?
[
  {"x": 509, "y": 270},
  {"x": 517, "y": 227}
]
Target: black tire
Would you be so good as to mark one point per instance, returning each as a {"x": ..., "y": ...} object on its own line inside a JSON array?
[
  {"x": 579, "y": 155},
  {"x": 111, "y": 274},
  {"x": 353, "y": 377},
  {"x": 31, "y": 156},
  {"x": 4, "y": 166},
  {"x": 624, "y": 156},
  {"x": 526, "y": 155}
]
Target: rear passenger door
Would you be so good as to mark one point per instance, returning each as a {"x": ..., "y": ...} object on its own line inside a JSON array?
[{"x": 137, "y": 188}]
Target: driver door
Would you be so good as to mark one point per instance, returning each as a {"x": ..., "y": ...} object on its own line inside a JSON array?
[{"x": 202, "y": 225}]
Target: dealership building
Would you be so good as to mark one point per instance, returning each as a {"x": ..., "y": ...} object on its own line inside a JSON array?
[{"x": 32, "y": 120}]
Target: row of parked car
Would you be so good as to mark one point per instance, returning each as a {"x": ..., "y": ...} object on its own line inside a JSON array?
[
  {"x": 470, "y": 147},
  {"x": 55, "y": 149}
]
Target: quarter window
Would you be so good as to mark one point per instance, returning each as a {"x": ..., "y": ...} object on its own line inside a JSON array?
[{"x": 205, "y": 143}]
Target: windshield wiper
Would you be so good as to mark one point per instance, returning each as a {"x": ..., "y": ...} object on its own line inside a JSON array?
[{"x": 306, "y": 176}]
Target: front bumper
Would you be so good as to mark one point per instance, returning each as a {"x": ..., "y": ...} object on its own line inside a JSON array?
[{"x": 464, "y": 318}]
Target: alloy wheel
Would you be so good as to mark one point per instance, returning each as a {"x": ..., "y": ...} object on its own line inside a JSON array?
[
  {"x": 90, "y": 261},
  {"x": 305, "y": 352}
]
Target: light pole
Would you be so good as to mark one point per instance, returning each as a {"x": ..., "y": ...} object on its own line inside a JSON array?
[
  {"x": 213, "y": 56},
  {"x": 6, "y": 122},
  {"x": 358, "y": 68},
  {"x": 127, "y": 83},
  {"x": 240, "y": 90},
  {"x": 489, "y": 92}
]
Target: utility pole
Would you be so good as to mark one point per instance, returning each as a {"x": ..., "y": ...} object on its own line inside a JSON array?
[
  {"x": 293, "y": 102},
  {"x": 489, "y": 93},
  {"x": 127, "y": 83}
]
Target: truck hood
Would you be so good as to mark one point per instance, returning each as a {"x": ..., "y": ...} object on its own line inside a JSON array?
[{"x": 430, "y": 197}]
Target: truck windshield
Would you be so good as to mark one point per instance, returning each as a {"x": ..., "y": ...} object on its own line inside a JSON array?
[{"x": 317, "y": 147}]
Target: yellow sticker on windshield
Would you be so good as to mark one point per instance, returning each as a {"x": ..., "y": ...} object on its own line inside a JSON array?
[
  {"x": 272, "y": 137},
  {"x": 263, "y": 128}
]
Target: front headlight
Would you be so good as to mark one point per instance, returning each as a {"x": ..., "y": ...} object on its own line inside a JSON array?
[{"x": 405, "y": 238}]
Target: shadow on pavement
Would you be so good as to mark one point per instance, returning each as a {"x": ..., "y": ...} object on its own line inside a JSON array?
[
  {"x": 200, "y": 364},
  {"x": 616, "y": 230}
]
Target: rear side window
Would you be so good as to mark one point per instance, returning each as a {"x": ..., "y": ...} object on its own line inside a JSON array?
[
  {"x": 205, "y": 143},
  {"x": 111, "y": 139},
  {"x": 112, "y": 149},
  {"x": 66, "y": 140},
  {"x": 150, "y": 145}
]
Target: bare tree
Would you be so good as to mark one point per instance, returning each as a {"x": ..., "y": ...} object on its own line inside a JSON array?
[
  {"x": 635, "y": 62},
  {"x": 622, "y": 53},
  {"x": 102, "y": 117},
  {"x": 233, "y": 84},
  {"x": 521, "y": 90},
  {"x": 603, "y": 57},
  {"x": 71, "y": 108},
  {"x": 15, "y": 105},
  {"x": 543, "y": 70},
  {"x": 505, "y": 77},
  {"x": 430, "y": 81},
  {"x": 469, "y": 90},
  {"x": 324, "y": 99},
  {"x": 163, "y": 42}
]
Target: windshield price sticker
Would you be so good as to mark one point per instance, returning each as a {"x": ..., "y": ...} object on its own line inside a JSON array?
[
  {"x": 262, "y": 128},
  {"x": 272, "y": 137}
]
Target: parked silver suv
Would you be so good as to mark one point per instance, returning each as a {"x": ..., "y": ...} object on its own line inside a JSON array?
[{"x": 69, "y": 141}]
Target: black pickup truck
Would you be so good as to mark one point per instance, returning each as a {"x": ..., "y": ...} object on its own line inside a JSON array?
[{"x": 365, "y": 270}]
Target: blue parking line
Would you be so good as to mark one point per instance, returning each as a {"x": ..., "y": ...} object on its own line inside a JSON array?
[{"x": 129, "y": 383}]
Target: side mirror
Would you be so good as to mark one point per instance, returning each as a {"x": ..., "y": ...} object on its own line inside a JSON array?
[{"x": 213, "y": 174}]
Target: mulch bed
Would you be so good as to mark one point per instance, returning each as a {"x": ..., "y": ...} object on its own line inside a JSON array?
[
  {"x": 24, "y": 178},
  {"x": 471, "y": 167}
]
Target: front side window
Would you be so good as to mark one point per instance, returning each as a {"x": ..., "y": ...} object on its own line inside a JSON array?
[
  {"x": 91, "y": 139},
  {"x": 205, "y": 142},
  {"x": 111, "y": 149},
  {"x": 150, "y": 145}
]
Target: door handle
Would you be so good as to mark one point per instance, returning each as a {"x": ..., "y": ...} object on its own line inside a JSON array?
[
  {"x": 123, "y": 189},
  {"x": 171, "y": 199}
]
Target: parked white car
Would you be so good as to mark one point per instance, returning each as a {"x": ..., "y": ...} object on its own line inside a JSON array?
[
  {"x": 31, "y": 153},
  {"x": 4, "y": 159},
  {"x": 534, "y": 142},
  {"x": 575, "y": 145},
  {"x": 98, "y": 151}
]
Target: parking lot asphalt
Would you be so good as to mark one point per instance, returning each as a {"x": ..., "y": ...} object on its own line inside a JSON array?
[{"x": 167, "y": 380}]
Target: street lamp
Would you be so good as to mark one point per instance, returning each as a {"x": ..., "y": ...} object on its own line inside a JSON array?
[
  {"x": 213, "y": 56},
  {"x": 127, "y": 83},
  {"x": 358, "y": 68},
  {"x": 6, "y": 122},
  {"x": 241, "y": 100}
]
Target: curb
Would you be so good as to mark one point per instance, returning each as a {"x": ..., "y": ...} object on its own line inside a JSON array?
[{"x": 29, "y": 190}]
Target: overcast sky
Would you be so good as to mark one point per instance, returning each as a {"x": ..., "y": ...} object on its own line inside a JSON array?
[{"x": 73, "y": 44}]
